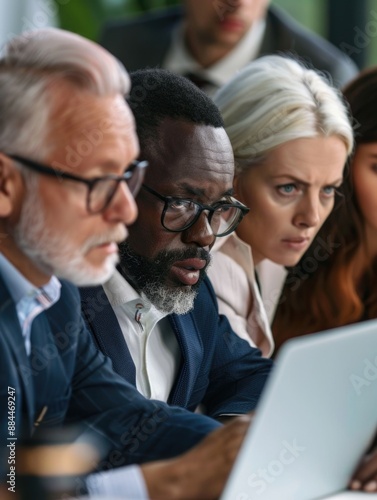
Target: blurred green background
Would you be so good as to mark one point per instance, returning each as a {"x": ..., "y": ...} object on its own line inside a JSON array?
[{"x": 87, "y": 16}]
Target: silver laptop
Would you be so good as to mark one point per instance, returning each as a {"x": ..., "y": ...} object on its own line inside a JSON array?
[{"x": 316, "y": 417}]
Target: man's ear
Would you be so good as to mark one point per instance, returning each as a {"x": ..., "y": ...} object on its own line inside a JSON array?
[{"x": 9, "y": 178}]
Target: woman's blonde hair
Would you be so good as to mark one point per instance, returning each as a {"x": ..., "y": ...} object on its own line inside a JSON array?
[{"x": 274, "y": 100}]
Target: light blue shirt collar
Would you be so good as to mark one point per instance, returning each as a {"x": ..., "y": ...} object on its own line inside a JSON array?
[{"x": 19, "y": 287}]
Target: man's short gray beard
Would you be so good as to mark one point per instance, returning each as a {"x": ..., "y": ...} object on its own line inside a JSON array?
[
  {"x": 151, "y": 277},
  {"x": 169, "y": 301}
]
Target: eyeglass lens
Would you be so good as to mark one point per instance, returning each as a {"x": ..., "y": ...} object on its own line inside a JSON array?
[
  {"x": 181, "y": 214},
  {"x": 104, "y": 190}
]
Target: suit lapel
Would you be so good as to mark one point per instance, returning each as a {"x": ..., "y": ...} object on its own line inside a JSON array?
[
  {"x": 10, "y": 330},
  {"x": 277, "y": 37},
  {"x": 46, "y": 362},
  {"x": 191, "y": 347},
  {"x": 106, "y": 331}
]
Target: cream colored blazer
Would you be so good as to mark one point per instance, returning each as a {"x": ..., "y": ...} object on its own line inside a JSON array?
[{"x": 232, "y": 276}]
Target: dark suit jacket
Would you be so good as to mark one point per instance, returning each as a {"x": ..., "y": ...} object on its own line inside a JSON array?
[
  {"x": 218, "y": 368},
  {"x": 144, "y": 42},
  {"x": 66, "y": 373}
]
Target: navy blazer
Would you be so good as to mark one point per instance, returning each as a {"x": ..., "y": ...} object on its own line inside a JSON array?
[
  {"x": 68, "y": 375},
  {"x": 218, "y": 368},
  {"x": 144, "y": 41}
]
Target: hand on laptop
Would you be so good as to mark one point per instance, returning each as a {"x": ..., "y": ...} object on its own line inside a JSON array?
[
  {"x": 202, "y": 472},
  {"x": 365, "y": 476}
]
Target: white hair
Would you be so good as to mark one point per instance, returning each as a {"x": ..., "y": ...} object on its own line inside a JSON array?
[
  {"x": 274, "y": 100},
  {"x": 29, "y": 64}
]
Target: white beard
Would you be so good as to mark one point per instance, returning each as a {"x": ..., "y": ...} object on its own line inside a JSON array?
[{"x": 53, "y": 253}]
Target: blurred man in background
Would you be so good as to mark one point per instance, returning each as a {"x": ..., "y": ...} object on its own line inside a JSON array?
[{"x": 210, "y": 40}]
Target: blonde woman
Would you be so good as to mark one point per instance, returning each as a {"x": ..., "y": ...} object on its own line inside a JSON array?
[{"x": 291, "y": 136}]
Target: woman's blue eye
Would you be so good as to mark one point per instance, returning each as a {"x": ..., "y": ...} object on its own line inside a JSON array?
[
  {"x": 287, "y": 188},
  {"x": 329, "y": 190}
]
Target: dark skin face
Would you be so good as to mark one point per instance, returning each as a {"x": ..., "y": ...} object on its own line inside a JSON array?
[{"x": 192, "y": 162}]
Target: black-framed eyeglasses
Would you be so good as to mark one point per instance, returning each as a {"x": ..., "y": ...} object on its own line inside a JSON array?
[
  {"x": 179, "y": 214},
  {"x": 101, "y": 190}
]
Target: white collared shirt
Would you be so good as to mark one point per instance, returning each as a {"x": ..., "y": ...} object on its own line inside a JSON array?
[
  {"x": 179, "y": 60},
  {"x": 149, "y": 336}
]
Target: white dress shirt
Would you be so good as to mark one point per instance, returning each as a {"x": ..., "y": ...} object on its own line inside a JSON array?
[
  {"x": 179, "y": 60},
  {"x": 150, "y": 338},
  {"x": 124, "y": 483}
]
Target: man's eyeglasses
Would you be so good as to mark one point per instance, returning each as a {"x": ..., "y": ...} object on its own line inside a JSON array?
[
  {"x": 101, "y": 190},
  {"x": 179, "y": 214}
]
